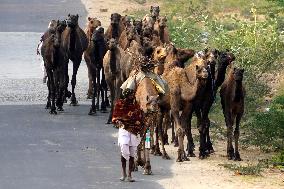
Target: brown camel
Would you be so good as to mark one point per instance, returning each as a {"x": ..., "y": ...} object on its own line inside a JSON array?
[
  {"x": 127, "y": 36},
  {"x": 116, "y": 27},
  {"x": 232, "y": 95},
  {"x": 112, "y": 70},
  {"x": 184, "y": 85},
  {"x": 75, "y": 42},
  {"x": 149, "y": 20},
  {"x": 92, "y": 24},
  {"x": 160, "y": 27},
  {"x": 53, "y": 57}
]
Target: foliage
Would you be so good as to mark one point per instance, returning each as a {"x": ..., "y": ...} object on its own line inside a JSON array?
[{"x": 248, "y": 169}]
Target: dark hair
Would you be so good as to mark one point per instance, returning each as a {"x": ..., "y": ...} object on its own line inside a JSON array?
[{"x": 127, "y": 92}]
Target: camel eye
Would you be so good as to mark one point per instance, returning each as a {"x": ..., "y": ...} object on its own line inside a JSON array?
[
  {"x": 92, "y": 22},
  {"x": 158, "y": 51}
]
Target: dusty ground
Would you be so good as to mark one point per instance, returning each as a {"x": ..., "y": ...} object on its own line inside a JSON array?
[{"x": 195, "y": 173}]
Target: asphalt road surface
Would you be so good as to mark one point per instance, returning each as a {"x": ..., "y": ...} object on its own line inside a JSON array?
[{"x": 68, "y": 151}]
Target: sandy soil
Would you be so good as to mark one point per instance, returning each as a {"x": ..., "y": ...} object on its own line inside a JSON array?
[{"x": 195, "y": 173}]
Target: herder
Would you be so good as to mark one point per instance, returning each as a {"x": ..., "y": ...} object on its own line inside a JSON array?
[{"x": 128, "y": 116}]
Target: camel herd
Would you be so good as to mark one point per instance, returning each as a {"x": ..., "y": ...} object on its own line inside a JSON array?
[{"x": 129, "y": 47}]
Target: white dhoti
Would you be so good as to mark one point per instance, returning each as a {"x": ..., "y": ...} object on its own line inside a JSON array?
[{"x": 128, "y": 143}]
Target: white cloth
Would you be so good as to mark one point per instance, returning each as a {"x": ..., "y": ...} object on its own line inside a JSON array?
[{"x": 128, "y": 143}]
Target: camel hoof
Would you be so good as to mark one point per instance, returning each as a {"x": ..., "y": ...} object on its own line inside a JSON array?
[
  {"x": 74, "y": 103},
  {"x": 48, "y": 106},
  {"x": 166, "y": 156},
  {"x": 211, "y": 151},
  {"x": 104, "y": 111},
  {"x": 157, "y": 153},
  {"x": 60, "y": 109},
  {"x": 91, "y": 112},
  {"x": 186, "y": 159},
  {"x": 147, "y": 172},
  {"x": 140, "y": 162},
  {"x": 237, "y": 157},
  {"x": 53, "y": 112},
  {"x": 179, "y": 160},
  {"x": 191, "y": 154},
  {"x": 89, "y": 96},
  {"x": 108, "y": 122}
]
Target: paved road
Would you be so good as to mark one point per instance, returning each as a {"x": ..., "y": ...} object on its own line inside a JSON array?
[
  {"x": 71, "y": 150},
  {"x": 34, "y": 15}
]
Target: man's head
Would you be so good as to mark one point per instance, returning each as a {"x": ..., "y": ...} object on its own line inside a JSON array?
[{"x": 128, "y": 94}]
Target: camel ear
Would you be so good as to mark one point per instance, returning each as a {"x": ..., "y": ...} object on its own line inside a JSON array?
[
  {"x": 197, "y": 67},
  {"x": 77, "y": 15},
  {"x": 242, "y": 70},
  {"x": 151, "y": 9},
  {"x": 68, "y": 14},
  {"x": 89, "y": 18},
  {"x": 147, "y": 98}
]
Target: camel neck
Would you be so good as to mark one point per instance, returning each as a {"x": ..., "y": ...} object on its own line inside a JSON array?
[
  {"x": 220, "y": 75},
  {"x": 115, "y": 32},
  {"x": 113, "y": 60},
  {"x": 238, "y": 91}
]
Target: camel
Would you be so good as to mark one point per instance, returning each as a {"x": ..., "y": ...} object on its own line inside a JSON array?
[
  {"x": 116, "y": 27},
  {"x": 160, "y": 27},
  {"x": 75, "y": 42},
  {"x": 149, "y": 20},
  {"x": 138, "y": 26},
  {"x": 232, "y": 95},
  {"x": 127, "y": 36},
  {"x": 111, "y": 64},
  {"x": 92, "y": 24},
  {"x": 184, "y": 85},
  {"x": 48, "y": 52},
  {"x": 130, "y": 59},
  {"x": 53, "y": 59},
  {"x": 100, "y": 48}
]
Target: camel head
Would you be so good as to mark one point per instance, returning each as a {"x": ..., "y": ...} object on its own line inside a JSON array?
[
  {"x": 184, "y": 54},
  {"x": 211, "y": 56},
  {"x": 138, "y": 26},
  {"x": 162, "y": 22},
  {"x": 148, "y": 21},
  {"x": 226, "y": 58},
  {"x": 112, "y": 44},
  {"x": 61, "y": 25},
  {"x": 152, "y": 104},
  {"x": 131, "y": 33},
  {"x": 98, "y": 34},
  {"x": 126, "y": 21},
  {"x": 238, "y": 74},
  {"x": 52, "y": 24},
  {"x": 115, "y": 19},
  {"x": 72, "y": 20},
  {"x": 155, "y": 11},
  {"x": 93, "y": 23},
  {"x": 201, "y": 72},
  {"x": 160, "y": 53}
]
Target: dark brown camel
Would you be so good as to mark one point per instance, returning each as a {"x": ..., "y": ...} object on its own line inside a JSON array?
[
  {"x": 127, "y": 36},
  {"x": 75, "y": 42},
  {"x": 160, "y": 27},
  {"x": 53, "y": 57},
  {"x": 232, "y": 95},
  {"x": 92, "y": 24},
  {"x": 111, "y": 64},
  {"x": 100, "y": 48},
  {"x": 116, "y": 27}
]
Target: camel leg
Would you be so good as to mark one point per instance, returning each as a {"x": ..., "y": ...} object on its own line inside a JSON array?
[
  {"x": 165, "y": 126},
  {"x": 48, "y": 103},
  {"x": 160, "y": 130},
  {"x": 112, "y": 94},
  {"x": 90, "y": 89},
  {"x": 105, "y": 101},
  {"x": 236, "y": 137},
  {"x": 230, "y": 149},
  {"x": 98, "y": 86},
  {"x": 202, "y": 134},
  {"x": 76, "y": 65},
  {"x": 180, "y": 133},
  {"x": 52, "y": 91},
  {"x": 157, "y": 151},
  {"x": 209, "y": 145},
  {"x": 190, "y": 143},
  {"x": 93, "y": 106}
]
